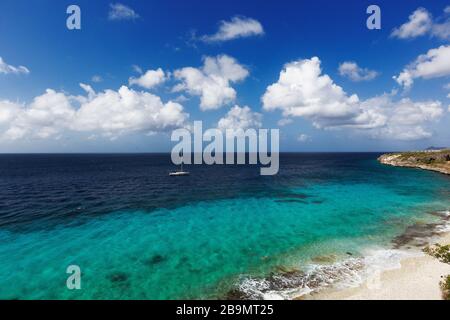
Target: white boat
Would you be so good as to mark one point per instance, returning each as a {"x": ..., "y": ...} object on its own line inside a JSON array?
[{"x": 179, "y": 173}]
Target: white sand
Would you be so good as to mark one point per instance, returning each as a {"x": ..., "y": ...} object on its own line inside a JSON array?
[{"x": 417, "y": 279}]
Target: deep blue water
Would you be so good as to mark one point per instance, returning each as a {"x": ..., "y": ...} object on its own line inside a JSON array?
[{"x": 137, "y": 233}]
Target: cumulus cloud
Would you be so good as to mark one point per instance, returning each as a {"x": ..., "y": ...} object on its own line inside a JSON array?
[
  {"x": 137, "y": 69},
  {"x": 96, "y": 78},
  {"x": 303, "y": 138},
  {"x": 352, "y": 71},
  {"x": 421, "y": 22},
  {"x": 109, "y": 113},
  {"x": 447, "y": 87},
  {"x": 42, "y": 118},
  {"x": 284, "y": 122},
  {"x": 8, "y": 111},
  {"x": 405, "y": 119},
  {"x": 6, "y": 68},
  {"x": 237, "y": 27},
  {"x": 435, "y": 63},
  {"x": 441, "y": 27},
  {"x": 118, "y": 11},
  {"x": 212, "y": 82},
  {"x": 125, "y": 110},
  {"x": 149, "y": 79},
  {"x": 303, "y": 91},
  {"x": 240, "y": 118},
  {"x": 441, "y": 30}
]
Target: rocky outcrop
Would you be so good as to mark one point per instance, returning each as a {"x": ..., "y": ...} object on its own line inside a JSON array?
[{"x": 428, "y": 160}]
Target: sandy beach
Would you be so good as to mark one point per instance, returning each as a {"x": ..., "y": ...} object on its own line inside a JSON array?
[{"x": 417, "y": 279}]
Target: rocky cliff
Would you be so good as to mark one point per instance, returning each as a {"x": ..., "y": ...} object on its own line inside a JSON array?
[{"x": 427, "y": 160}]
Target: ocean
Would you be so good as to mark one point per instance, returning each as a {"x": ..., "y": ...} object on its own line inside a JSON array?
[{"x": 222, "y": 232}]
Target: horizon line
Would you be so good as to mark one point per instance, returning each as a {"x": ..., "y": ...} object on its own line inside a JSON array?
[{"x": 168, "y": 152}]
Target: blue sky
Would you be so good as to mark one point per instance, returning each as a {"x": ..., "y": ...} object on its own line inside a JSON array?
[{"x": 173, "y": 35}]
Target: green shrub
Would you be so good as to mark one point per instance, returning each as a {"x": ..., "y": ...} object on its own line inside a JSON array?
[
  {"x": 445, "y": 286},
  {"x": 440, "y": 252}
]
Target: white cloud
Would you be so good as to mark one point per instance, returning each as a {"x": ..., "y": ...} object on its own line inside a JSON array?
[
  {"x": 441, "y": 30},
  {"x": 435, "y": 63},
  {"x": 126, "y": 110},
  {"x": 240, "y": 118},
  {"x": 303, "y": 91},
  {"x": 303, "y": 138},
  {"x": 137, "y": 69},
  {"x": 352, "y": 71},
  {"x": 238, "y": 27},
  {"x": 284, "y": 122},
  {"x": 419, "y": 23},
  {"x": 181, "y": 98},
  {"x": 109, "y": 113},
  {"x": 150, "y": 79},
  {"x": 405, "y": 119},
  {"x": 96, "y": 78},
  {"x": 212, "y": 81},
  {"x": 45, "y": 116},
  {"x": 6, "y": 68},
  {"x": 118, "y": 11},
  {"x": 8, "y": 112}
]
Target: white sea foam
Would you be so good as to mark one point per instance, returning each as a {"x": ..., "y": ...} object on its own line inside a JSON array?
[
  {"x": 350, "y": 272},
  {"x": 445, "y": 227},
  {"x": 385, "y": 259},
  {"x": 445, "y": 212}
]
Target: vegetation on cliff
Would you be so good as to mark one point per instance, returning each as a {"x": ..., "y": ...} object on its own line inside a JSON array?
[
  {"x": 445, "y": 286},
  {"x": 442, "y": 253},
  {"x": 428, "y": 160}
]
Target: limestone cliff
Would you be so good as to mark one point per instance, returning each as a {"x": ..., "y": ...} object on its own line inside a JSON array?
[{"x": 427, "y": 160}]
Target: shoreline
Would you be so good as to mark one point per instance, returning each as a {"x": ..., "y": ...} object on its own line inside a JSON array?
[
  {"x": 416, "y": 278},
  {"x": 432, "y": 161},
  {"x": 400, "y": 271}
]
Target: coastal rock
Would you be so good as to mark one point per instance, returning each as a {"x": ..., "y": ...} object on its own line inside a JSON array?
[
  {"x": 118, "y": 277},
  {"x": 427, "y": 160},
  {"x": 324, "y": 259},
  {"x": 156, "y": 259}
]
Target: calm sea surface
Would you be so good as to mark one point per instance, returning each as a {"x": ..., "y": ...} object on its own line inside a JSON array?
[{"x": 137, "y": 233}]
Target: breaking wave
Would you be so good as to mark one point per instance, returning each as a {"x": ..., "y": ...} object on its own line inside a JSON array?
[{"x": 294, "y": 283}]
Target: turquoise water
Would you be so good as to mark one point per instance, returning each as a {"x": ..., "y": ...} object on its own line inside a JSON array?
[{"x": 200, "y": 249}]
